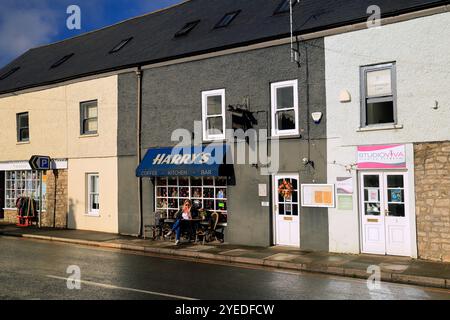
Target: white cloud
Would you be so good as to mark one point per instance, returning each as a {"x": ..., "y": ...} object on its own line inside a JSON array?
[{"x": 24, "y": 27}]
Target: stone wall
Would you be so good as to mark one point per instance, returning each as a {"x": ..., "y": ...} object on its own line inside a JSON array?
[
  {"x": 432, "y": 178},
  {"x": 10, "y": 216},
  {"x": 56, "y": 200}
]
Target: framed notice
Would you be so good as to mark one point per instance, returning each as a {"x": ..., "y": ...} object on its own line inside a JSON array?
[{"x": 318, "y": 195}]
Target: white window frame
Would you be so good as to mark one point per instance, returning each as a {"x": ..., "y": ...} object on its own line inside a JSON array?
[
  {"x": 205, "y": 96},
  {"x": 83, "y": 117},
  {"x": 365, "y": 99},
  {"x": 166, "y": 186},
  {"x": 90, "y": 211},
  {"x": 274, "y": 88},
  {"x": 14, "y": 181}
]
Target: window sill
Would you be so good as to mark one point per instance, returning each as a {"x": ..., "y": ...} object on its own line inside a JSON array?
[
  {"x": 381, "y": 127},
  {"x": 214, "y": 139},
  {"x": 22, "y": 143},
  {"x": 92, "y": 215},
  {"x": 94, "y": 135},
  {"x": 286, "y": 136}
]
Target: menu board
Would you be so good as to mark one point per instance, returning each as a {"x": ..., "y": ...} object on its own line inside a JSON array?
[{"x": 318, "y": 195}]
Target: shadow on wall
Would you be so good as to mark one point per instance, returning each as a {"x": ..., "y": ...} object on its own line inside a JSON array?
[{"x": 71, "y": 221}]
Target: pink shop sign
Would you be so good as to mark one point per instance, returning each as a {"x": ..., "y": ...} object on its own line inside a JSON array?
[{"x": 382, "y": 157}]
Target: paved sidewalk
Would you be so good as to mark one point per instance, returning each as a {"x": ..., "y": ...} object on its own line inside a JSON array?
[{"x": 393, "y": 269}]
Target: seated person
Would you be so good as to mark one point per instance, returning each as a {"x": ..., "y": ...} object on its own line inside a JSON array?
[{"x": 187, "y": 213}]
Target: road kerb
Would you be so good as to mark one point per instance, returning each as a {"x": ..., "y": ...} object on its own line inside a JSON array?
[{"x": 340, "y": 271}]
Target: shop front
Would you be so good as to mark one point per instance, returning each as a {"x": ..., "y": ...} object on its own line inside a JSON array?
[
  {"x": 17, "y": 180},
  {"x": 199, "y": 174},
  {"x": 386, "y": 200}
]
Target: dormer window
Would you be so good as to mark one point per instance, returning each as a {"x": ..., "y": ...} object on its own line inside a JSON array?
[
  {"x": 61, "y": 61},
  {"x": 188, "y": 27},
  {"x": 227, "y": 19},
  {"x": 121, "y": 45},
  {"x": 9, "y": 73},
  {"x": 284, "y": 6}
]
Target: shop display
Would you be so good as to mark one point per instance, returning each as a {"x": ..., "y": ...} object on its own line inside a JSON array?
[{"x": 209, "y": 193}]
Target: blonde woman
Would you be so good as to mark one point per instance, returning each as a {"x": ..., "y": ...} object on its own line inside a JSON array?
[{"x": 186, "y": 214}]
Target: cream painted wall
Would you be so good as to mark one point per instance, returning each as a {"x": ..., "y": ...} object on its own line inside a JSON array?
[
  {"x": 419, "y": 47},
  {"x": 47, "y": 120},
  {"x": 108, "y": 220},
  {"x": 54, "y": 118},
  {"x": 105, "y": 90}
]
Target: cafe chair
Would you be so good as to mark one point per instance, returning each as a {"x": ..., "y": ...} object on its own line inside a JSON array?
[
  {"x": 157, "y": 229},
  {"x": 209, "y": 234},
  {"x": 218, "y": 229}
]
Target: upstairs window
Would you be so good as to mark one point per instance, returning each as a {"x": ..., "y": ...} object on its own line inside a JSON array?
[
  {"x": 227, "y": 19},
  {"x": 23, "y": 129},
  {"x": 9, "y": 73},
  {"x": 213, "y": 105},
  {"x": 284, "y": 6},
  {"x": 285, "y": 108},
  {"x": 89, "y": 117},
  {"x": 187, "y": 28},
  {"x": 378, "y": 95},
  {"x": 61, "y": 61},
  {"x": 121, "y": 45}
]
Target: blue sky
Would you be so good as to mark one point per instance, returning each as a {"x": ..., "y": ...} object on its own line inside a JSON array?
[{"x": 25, "y": 24}]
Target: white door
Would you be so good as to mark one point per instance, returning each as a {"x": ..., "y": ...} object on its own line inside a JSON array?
[
  {"x": 287, "y": 212},
  {"x": 385, "y": 213}
]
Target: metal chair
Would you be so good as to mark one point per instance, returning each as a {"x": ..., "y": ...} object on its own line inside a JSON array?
[
  {"x": 209, "y": 234},
  {"x": 156, "y": 229}
]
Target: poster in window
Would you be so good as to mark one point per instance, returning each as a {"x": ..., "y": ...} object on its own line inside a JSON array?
[
  {"x": 373, "y": 195},
  {"x": 396, "y": 195},
  {"x": 379, "y": 83}
]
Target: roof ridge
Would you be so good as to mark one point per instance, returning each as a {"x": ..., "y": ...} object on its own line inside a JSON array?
[{"x": 111, "y": 25}]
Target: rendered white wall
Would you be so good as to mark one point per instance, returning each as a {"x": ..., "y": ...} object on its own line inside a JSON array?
[{"x": 420, "y": 49}]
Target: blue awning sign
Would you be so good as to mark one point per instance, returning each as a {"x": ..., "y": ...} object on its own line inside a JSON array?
[{"x": 196, "y": 161}]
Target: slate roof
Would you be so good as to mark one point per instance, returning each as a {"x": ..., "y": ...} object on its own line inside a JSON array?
[{"x": 153, "y": 35}]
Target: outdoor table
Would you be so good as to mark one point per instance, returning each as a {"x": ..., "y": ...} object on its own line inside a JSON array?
[{"x": 192, "y": 226}]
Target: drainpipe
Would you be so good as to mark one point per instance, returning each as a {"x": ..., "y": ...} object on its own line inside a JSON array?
[{"x": 138, "y": 145}]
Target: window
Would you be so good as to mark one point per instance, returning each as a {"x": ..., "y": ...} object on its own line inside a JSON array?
[
  {"x": 285, "y": 108},
  {"x": 227, "y": 19},
  {"x": 213, "y": 105},
  {"x": 284, "y": 6},
  {"x": 89, "y": 117},
  {"x": 378, "y": 92},
  {"x": 24, "y": 184},
  {"x": 61, "y": 61},
  {"x": 208, "y": 193},
  {"x": 23, "y": 129},
  {"x": 187, "y": 28},
  {"x": 121, "y": 45},
  {"x": 93, "y": 194},
  {"x": 8, "y": 73}
]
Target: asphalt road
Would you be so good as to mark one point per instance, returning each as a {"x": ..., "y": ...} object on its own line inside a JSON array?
[{"x": 34, "y": 270}]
